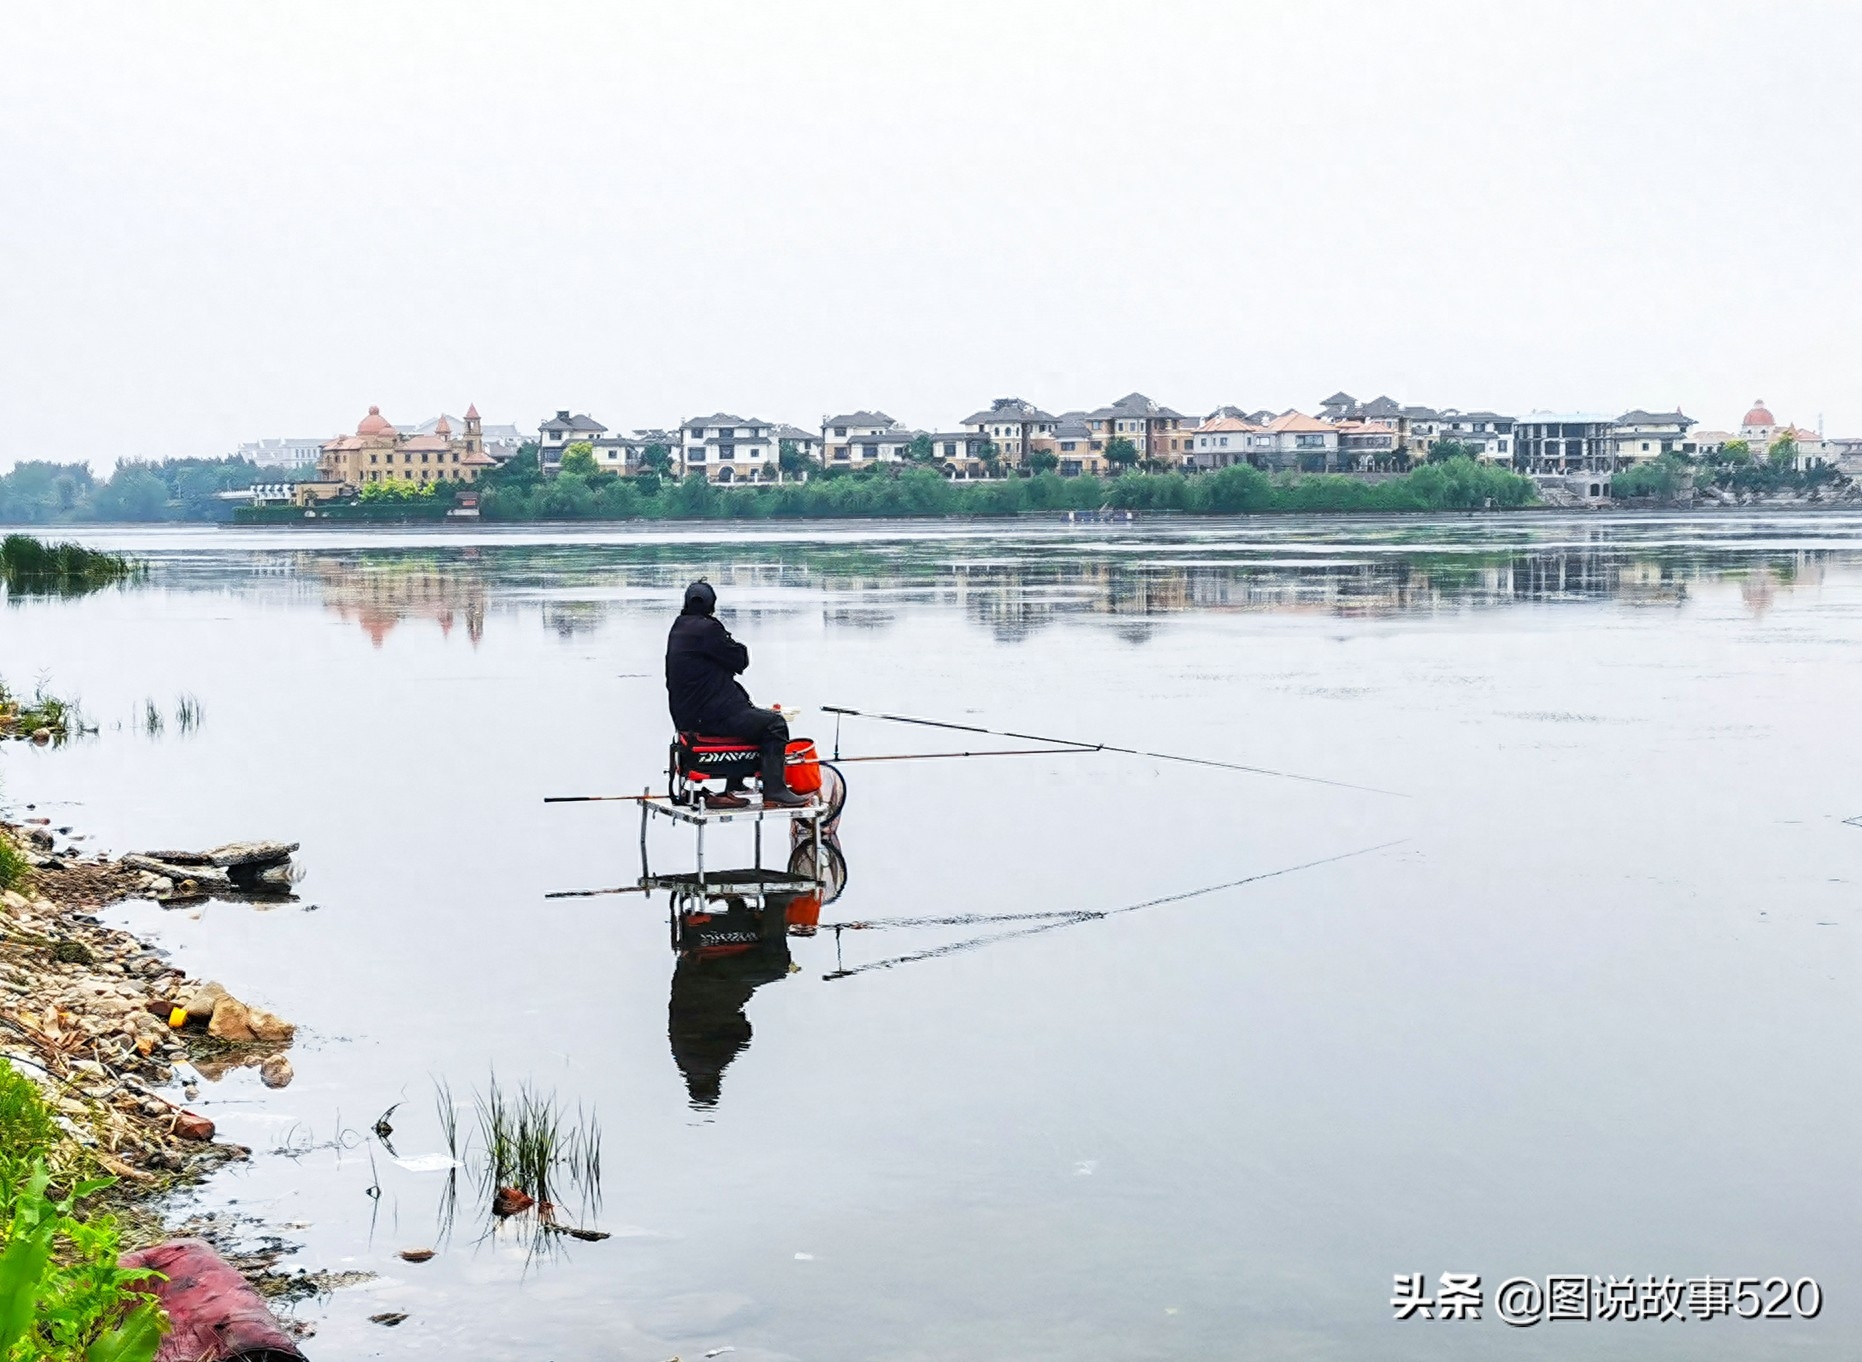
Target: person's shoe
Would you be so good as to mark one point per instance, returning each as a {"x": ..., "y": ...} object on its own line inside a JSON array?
[
  {"x": 784, "y": 798},
  {"x": 727, "y": 800}
]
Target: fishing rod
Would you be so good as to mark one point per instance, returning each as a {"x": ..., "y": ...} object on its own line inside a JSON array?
[
  {"x": 841, "y": 761},
  {"x": 1069, "y": 918},
  {"x": 595, "y": 799},
  {"x": 998, "y": 752},
  {"x": 1073, "y": 744}
]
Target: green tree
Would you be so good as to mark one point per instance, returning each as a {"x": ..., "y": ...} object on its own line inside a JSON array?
[
  {"x": 793, "y": 462},
  {"x": 1783, "y": 452},
  {"x": 1041, "y": 461},
  {"x": 579, "y": 458},
  {"x": 990, "y": 456},
  {"x": 656, "y": 459},
  {"x": 134, "y": 492},
  {"x": 1444, "y": 450},
  {"x": 921, "y": 450},
  {"x": 1121, "y": 452}
]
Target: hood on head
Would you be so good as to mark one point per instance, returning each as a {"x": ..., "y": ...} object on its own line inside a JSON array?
[{"x": 700, "y": 599}]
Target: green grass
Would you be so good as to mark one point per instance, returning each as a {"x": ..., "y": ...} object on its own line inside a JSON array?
[
  {"x": 22, "y": 716},
  {"x": 528, "y": 1140},
  {"x": 13, "y": 867},
  {"x": 62, "y": 1296},
  {"x": 33, "y": 566}
]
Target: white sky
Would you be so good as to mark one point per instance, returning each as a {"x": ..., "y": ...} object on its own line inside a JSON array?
[{"x": 226, "y": 221}]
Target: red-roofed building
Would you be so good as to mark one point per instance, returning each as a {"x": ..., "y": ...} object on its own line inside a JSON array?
[{"x": 377, "y": 452}]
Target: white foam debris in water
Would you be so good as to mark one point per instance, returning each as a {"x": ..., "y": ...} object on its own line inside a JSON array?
[
  {"x": 804, "y": 1257},
  {"x": 428, "y": 1163}
]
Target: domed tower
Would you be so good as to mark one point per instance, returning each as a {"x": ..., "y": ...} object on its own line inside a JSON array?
[
  {"x": 474, "y": 433},
  {"x": 1759, "y": 423}
]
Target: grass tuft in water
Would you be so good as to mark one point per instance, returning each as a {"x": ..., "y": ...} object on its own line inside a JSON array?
[
  {"x": 31, "y": 566},
  {"x": 531, "y": 1142},
  {"x": 23, "y": 717},
  {"x": 188, "y": 712}
]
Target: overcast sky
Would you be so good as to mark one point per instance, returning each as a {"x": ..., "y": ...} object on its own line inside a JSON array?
[{"x": 227, "y": 221}]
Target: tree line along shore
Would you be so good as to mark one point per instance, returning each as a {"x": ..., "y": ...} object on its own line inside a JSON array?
[{"x": 43, "y": 493}]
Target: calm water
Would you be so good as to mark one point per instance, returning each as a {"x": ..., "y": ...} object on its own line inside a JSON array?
[{"x": 1596, "y": 1012}]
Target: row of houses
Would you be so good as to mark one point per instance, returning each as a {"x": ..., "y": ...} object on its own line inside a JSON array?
[{"x": 1343, "y": 434}]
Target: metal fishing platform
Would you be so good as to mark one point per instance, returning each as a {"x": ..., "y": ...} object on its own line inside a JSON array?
[{"x": 813, "y": 818}]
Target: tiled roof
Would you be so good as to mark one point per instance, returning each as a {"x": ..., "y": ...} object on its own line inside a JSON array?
[
  {"x": 1639, "y": 417},
  {"x": 1008, "y": 409},
  {"x": 578, "y": 423},
  {"x": 862, "y": 418},
  {"x": 1298, "y": 421}
]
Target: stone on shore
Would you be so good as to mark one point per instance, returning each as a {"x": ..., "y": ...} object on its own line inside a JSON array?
[
  {"x": 276, "y": 1072},
  {"x": 203, "y": 1000},
  {"x": 241, "y": 1023}
]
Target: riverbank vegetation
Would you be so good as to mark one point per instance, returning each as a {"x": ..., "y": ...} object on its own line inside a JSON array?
[
  {"x": 1735, "y": 467},
  {"x": 32, "y": 566},
  {"x": 518, "y": 492},
  {"x": 63, "y": 1298}
]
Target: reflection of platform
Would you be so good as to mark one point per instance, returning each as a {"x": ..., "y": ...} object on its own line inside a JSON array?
[{"x": 734, "y": 882}]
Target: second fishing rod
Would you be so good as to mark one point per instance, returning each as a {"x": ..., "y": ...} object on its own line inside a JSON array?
[{"x": 1077, "y": 745}]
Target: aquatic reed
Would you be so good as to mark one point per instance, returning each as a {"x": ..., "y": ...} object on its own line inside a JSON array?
[{"x": 29, "y": 565}]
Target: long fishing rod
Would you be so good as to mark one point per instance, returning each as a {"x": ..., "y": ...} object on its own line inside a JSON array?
[
  {"x": 1072, "y": 918},
  {"x": 998, "y": 752},
  {"x": 1075, "y": 745},
  {"x": 841, "y": 761}
]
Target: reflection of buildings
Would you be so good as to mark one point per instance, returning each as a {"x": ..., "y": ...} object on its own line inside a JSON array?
[
  {"x": 569, "y": 618},
  {"x": 378, "y": 593}
]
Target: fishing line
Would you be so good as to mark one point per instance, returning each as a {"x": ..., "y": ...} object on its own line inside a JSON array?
[
  {"x": 1074, "y": 918},
  {"x": 1108, "y": 747}
]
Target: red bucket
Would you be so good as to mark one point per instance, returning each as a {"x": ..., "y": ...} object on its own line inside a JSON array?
[
  {"x": 804, "y": 914},
  {"x": 803, "y": 766}
]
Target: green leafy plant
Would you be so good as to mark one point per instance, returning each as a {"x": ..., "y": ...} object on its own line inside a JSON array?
[
  {"x": 62, "y": 1295},
  {"x": 13, "y": 865}
]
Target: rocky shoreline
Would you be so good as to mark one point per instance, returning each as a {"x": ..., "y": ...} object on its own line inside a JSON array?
[{"x": 117, "y": 1038}]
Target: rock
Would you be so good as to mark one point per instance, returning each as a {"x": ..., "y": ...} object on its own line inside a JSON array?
[
  {"x": 250, "y": 853},
  {"x": 160, "y": 886},
  {"x": 509, "y": 1201},
  {"x": 276, "y": 1072},
  {"x": 41, "y": 736},
  {"x": 14, "y": 900},
  {"x": 191, "y": 1125},
  {"x": 72, "y": 953},
  {"x": 420, "y": 1255},
  {"x": 201, "y": 1002},
  {"x": 390, "y": 1318},
  {"x": 235, "y": 1021},
  {"x": 39, "y": 837},
  {"x": 204, "y": 877}
]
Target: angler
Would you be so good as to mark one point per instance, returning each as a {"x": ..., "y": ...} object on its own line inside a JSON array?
[{"x": 703, "y": 663}]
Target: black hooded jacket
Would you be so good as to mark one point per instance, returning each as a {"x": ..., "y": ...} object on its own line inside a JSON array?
[{"x": 702, "y": 664}]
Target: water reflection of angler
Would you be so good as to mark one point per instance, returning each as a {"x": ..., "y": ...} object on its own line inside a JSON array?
[
  {"x": 728, "y": 949},
  {"x": 730, "y": 942}
]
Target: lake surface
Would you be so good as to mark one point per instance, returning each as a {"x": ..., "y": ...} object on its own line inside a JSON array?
[{"x": 1591, "y": 1008}]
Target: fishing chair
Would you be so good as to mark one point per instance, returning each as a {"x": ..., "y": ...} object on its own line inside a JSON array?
[{"x": 696, "y": 758}]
